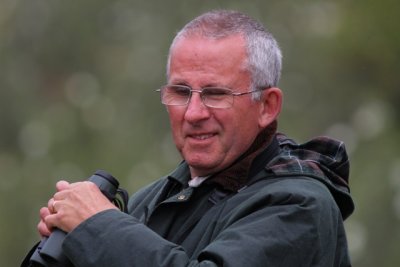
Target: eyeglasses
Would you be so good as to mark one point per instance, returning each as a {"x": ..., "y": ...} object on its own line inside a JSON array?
[{"x": 213, "y": 97}]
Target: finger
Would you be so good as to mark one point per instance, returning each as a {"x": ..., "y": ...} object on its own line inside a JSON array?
[
  {"x": 42, "y": 227},
  {"x": 63, "y": 190},
  {"x": 49, "y": 222},
  {"x": 50, "y": 205},
  {"x": 62, "y": 185},
  {"x": 44, "y": 212},
  {"x": 54, "y": 207}
]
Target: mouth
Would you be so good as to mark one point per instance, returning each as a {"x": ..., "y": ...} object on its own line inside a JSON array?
[{"x": 201, "y": 136}]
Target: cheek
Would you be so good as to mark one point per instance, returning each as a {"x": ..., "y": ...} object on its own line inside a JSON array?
[
  {"x": 175, "y": 117},
  {"x": 244, "y": 126},
  {"x": 175, "y": 121},
  {"x": 232, "y": 131}
]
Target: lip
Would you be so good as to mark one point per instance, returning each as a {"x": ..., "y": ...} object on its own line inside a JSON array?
[{"x": 200, "y": 137}]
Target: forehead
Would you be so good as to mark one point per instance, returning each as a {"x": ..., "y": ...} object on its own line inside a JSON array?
[
  {"x": 196, "y": 44},
  {"x": 197, "y": 55}
]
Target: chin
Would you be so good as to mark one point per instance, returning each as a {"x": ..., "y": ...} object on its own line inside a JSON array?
[{"x": 200, "y": 168}]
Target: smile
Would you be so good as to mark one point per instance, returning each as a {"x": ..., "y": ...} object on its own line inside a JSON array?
[{"x": 201, "y": 136}]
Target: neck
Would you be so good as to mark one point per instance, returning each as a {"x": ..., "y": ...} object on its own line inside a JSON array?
[{"x": 236, "y": 175}]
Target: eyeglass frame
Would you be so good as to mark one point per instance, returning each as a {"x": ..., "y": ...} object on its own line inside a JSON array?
[{"x": 228, "y": 90}]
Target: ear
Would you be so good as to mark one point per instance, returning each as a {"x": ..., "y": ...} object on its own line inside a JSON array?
[{"x": 270, "y": 106}]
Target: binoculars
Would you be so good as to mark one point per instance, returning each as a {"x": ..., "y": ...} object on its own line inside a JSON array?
[{"x": 49, "y": 251}]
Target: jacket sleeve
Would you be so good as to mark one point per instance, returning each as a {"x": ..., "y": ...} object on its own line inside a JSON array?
[{"x": 294, "y": 224}]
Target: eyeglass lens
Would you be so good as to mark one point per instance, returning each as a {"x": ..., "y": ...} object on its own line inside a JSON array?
[{"x": 211, "y": 97}]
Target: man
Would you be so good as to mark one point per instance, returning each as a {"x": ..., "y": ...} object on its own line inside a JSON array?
[{"x": 244, "y": 195}]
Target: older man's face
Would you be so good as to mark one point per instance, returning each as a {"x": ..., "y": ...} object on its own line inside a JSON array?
[{"x": 210, "y": 139}]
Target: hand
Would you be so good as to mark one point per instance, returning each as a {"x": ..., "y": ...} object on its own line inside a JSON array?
[
  {"x": 46, "y": 211},
  {"x": 71, "y": 205}
]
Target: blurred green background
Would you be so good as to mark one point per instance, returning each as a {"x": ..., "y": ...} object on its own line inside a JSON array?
[{"x": 77, "y": 82}]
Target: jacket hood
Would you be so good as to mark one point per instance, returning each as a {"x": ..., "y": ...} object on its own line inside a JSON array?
[{"x": 321, "y": 158}]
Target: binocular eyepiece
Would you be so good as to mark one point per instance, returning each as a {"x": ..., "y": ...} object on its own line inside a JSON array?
[{"x": 49, "y": 251}]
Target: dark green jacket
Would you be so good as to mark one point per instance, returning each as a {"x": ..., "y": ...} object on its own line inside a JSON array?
[{"x": 289, "y": 213}]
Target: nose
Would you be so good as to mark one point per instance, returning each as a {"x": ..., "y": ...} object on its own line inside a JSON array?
[{"x": 196, "y": 110}]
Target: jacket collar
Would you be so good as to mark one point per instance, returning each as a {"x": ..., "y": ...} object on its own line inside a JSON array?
[{"x": 263, "y": 149}]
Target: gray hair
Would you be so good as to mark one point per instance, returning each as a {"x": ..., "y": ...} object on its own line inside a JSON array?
[{"x": 264, "y": 55}]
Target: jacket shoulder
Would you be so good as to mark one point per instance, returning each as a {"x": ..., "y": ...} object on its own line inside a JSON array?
[{"x": 297, "y": 190}]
